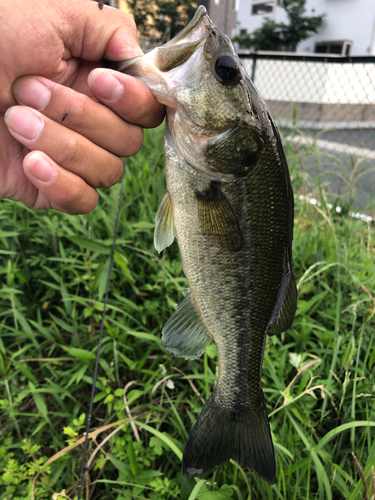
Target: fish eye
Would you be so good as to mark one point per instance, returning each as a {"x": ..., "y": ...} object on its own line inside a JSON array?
[{"x": 227, "y": 70}]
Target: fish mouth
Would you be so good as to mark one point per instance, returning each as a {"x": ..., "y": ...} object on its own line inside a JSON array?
[
  {"x": 199, "y": 32},
  {"x": 171, "y": 71},
  {"x": 162, "y": 69},
  {"x": 157, "y": 68},
  {"x": 193, "y": 29}
]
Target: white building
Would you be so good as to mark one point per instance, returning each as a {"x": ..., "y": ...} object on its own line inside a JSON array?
[{"x": 349, "y": 24}]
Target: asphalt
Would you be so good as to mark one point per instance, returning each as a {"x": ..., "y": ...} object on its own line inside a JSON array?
[{"x": 340, "y": 160}]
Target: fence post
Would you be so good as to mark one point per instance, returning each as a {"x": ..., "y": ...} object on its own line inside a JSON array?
[{"x": 254, "y": 57}]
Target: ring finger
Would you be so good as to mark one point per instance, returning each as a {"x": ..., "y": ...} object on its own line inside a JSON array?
[
  {"x": 70, "y": 150},
  {"x": 56, "y": 187}
]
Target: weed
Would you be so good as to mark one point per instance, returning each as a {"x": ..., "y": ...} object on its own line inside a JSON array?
[{"x": 318, "y": 377}]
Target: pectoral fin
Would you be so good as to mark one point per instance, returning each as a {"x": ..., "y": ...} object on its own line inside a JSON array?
[
  {"x": 184, "y": 334},
  {"x": 217, "y": 220},
  {"x": 285, "y": 317},
  {"x": 164, "y": 226}
]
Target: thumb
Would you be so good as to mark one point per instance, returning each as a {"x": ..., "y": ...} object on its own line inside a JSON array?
[{"x": 105, "y": 33}]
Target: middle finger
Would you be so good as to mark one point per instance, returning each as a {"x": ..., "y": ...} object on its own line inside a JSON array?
[{"x": 80, "y": 113}]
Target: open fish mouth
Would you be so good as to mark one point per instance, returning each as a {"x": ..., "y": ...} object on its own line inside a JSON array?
[
  {"x": 170, "y": 55},
  {"x": 163, "y": 68},
  {"x": 200, "y": 31},
  {"x": 194, "y": 30}
]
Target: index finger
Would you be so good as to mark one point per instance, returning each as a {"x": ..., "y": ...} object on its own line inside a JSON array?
[{"x": 127, "y": 96}]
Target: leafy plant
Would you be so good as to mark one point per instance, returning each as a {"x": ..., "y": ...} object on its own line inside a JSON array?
[
  {"x": 161, "y": 19},
  {"x": 280, "y": 36},
  {"x": 318, "y": 377}
]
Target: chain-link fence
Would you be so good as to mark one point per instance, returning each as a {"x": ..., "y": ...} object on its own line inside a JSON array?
[{"x": 326, "y": 97}]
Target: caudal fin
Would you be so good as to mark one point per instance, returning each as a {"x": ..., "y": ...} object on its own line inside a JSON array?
[{"x": 220, "y": 435}]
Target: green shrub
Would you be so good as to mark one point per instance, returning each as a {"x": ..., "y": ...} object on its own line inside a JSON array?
[{"x": 318, "y": 377}]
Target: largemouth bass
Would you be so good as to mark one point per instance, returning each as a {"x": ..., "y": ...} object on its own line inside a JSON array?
[{"x": 229, "y": 202}]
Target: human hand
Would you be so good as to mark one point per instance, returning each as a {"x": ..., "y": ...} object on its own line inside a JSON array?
[{"x": 60, "y": 142}]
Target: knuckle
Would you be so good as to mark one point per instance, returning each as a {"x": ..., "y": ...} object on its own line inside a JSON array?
[
  {"x": 141, "y": 112},
  {"x": 114, "y": 173},
  {"x": 141, "y": 115},
  {"x": 134, "y": 142},
  {"x": 75, "y": 196},
  {"x": 80, "y": 199},
  {"x": 157, "y": 118},
  {"x": 147, "y": 112},
  {"x": 127, "y": 19},
  {"x": 130, "y": 21},
  {"x": 79, "y": 110},
  {"x": 70, "y": 154},
  {"x": 89, "y": 207}
]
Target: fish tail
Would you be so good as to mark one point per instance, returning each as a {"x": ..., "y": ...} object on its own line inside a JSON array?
[{"x": 221, "y": 434}]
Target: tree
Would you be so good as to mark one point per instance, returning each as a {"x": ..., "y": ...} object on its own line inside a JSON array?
[
  {"x": 161, "y": 19},
  {"x": 281, "y": 36},
  {"x": 140, "y": 10},
  {"x": 171, "y": 16}
]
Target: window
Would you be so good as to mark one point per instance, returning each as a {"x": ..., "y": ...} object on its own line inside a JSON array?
[
  {"x": 341, "y": 47},
  {"x": 262, "y": 8},
  {"x": 243, "y": 32}
]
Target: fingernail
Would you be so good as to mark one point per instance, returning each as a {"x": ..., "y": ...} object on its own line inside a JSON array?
[
  {"x": 33, "y": 93},
  {"x": 40, "y": 168},
  {"x": 24, "y": 123},
  {"x": 105, "y": 85}
]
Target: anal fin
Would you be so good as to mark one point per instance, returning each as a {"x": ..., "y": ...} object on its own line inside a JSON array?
[
  {"x": 285, "y": 316},
  {"x": 184, "y": 334}
]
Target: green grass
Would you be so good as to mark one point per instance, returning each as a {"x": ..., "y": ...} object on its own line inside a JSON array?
[{"x": 318, "y": 377}]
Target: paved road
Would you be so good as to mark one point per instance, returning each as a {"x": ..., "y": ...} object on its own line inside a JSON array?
[{"x": 340, "y": 151}]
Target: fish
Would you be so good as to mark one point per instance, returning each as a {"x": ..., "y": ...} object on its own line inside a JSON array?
[{"x": 229, "y": 203}]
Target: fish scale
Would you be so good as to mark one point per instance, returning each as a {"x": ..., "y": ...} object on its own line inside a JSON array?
[
  {"x": 229, "y": 203},
  {"x": 226, "y": 310}
]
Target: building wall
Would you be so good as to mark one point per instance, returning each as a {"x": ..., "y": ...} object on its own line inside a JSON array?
[
  {"x": 352, "y": 20},
  {"x": 245, "y": 20},
  {"x": 223, "y": 14},
  {"x": 345, "y": 20}
]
